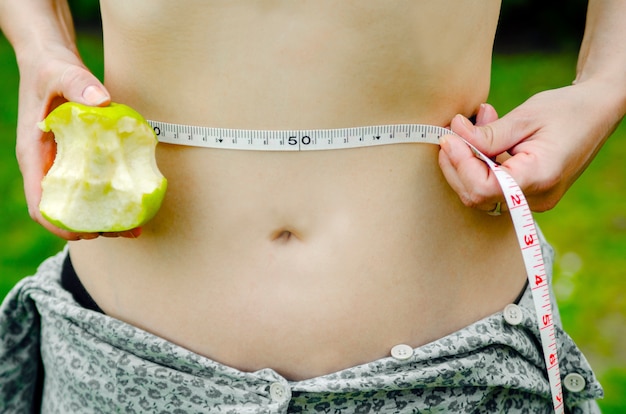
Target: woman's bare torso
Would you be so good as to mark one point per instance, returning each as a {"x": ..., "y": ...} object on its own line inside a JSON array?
[{"x": 302, "y": 262}]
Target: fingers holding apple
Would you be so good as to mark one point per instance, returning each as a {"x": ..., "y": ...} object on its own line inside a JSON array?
[{"x": 104, "y": 179}]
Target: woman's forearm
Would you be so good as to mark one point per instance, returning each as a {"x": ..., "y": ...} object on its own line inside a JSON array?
[
  {"x": 35, "y": 25},
  {"x": 603, "y": 53}
]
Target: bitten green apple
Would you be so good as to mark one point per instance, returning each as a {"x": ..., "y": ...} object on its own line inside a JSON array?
[{"x": 104, "y": 177}]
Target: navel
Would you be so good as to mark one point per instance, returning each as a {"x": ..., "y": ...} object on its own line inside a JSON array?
[{"x": 283, "y": 236}]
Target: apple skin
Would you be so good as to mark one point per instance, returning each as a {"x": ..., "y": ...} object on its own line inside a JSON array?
[{"x": 104, "y": 177}]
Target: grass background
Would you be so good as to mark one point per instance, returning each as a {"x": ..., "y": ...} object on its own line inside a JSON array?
[{"x": 587, "y": 228}]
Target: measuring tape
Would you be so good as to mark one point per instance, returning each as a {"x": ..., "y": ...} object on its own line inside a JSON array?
[{"x": 329, "y": 139}]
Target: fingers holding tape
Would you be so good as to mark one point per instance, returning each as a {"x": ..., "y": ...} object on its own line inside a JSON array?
[{"x": 474, "y": 182}]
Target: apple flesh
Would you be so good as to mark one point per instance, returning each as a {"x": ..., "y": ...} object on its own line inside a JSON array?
[{"x": 104, "y": 177}]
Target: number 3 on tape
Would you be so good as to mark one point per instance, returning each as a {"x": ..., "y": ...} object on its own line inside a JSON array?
[{"x": 535, "y": 269}]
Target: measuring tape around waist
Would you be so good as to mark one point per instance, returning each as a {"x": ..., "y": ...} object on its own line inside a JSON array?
[{"x": 343, "y": 138}]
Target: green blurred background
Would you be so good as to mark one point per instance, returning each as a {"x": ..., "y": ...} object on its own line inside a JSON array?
[{"x": 536, "y": 49}]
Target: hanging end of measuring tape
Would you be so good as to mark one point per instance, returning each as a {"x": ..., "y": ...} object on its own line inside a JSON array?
[{"x": 531, "y": 251}]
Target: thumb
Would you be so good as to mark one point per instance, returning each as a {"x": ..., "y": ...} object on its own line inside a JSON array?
[
  {"x": 81, "y": 86},
  {"x": 491, "y": 138}
]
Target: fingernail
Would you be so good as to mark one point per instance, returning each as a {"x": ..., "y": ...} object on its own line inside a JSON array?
[
  {"x": 444, "y": 144},
  {"x": 464, "y": 126},
  {"x": 466, "y": 121},
  {"x": 93, "y": 95},
  {"x": 481, "y": 113}
]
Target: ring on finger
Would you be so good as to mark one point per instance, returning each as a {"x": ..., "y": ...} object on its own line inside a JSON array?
[{"x": 497, "y": 210}]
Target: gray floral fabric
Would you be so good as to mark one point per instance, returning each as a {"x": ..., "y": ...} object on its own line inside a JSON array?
[{"x": 57, "y": 357}]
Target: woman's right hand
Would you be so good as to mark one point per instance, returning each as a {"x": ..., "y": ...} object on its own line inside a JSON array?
[{"x": 46, "y": 81}]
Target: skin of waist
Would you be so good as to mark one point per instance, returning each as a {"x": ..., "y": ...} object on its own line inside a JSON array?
[
  {"x": 303, "y": 262},
  {"x": 330, "y": 257}
]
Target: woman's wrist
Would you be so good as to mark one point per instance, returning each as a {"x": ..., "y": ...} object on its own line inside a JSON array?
[
  {"x": 37, "y": 27},
  {"x": 606, "y": 99}
]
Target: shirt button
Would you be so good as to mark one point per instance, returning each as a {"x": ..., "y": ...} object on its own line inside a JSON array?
[
  {"x": 402, "y": 352},
  {"x": 278, "y": 392},
  {"x": 513, "y": 315},
  {"x": 574, "y": 382}
]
